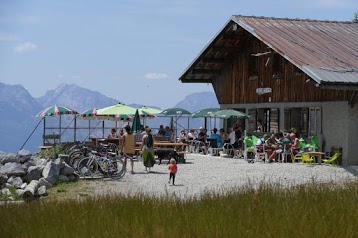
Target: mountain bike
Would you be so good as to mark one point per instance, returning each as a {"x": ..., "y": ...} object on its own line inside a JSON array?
[{"x": 107, "y": 164}]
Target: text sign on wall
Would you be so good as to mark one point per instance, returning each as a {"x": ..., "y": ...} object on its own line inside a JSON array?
[{"x": 261, "y": 91}]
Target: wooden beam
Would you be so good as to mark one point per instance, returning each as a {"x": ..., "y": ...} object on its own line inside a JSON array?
[
  {"x": 225, "y": 48},
  {"x": 205, "y": 71},
  {"x": 222, "y": 60},
  {"x": 195, "y": 80},
  {"x": 233, "y": 36}
]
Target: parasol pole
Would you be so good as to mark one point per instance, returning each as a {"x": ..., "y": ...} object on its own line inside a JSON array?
[
  {"x": 60, "y": 127},
  {"x": 74, "y": 134},
  {"x": 44, "y": 133},
  {"x": 103, "y": 129},
  {"x": 32, "y": 133},
  {"x": 89, "y": 129}
]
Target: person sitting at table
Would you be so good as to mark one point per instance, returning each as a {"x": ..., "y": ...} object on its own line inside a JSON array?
[
  {"x": 112, "y": 134},
  {"x": 183, "y": 137},
  {"x": 233, "y": 142},
  {"x": 271, "y": 145},
  {"x": 161, "y": 131},
  {"x": 224, "y": 136},
  {"x": 295, "y": 149},
  {"x": 191, "y": 135},
  {"x": 276, "y": 147},
  {"x": 202, "y": 135},
  {"x": 170, "y": 134},
  {"x": 261, "y": 142},
  {"x": 218, "y": 138}
]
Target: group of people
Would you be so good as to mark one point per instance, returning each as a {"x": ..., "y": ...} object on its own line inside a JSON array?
[
  {"x": 278, "y": 143},
  {"x": 129, "y": 145},
  {"x": 221, "y": 136},
  {"x": 147, "y": 149}
]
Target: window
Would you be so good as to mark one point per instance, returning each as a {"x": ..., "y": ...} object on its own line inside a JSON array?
[
  {"x": 296, "y": 118},
  {"x": 315, "y": 121}
]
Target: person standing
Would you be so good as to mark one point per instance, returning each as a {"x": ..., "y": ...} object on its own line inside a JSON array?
[
  {"x": 260, "y": 128},
  {"x": 172, "y": 170},
  {"x": 148, "y": 150},
  {"x": 129, "y": 147}
]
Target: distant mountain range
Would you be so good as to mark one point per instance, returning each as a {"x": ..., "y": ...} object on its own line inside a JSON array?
[{"x": 18, "y": 109}]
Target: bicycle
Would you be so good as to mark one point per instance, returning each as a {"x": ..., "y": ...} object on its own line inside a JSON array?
[{"x": 108, "y": 164}]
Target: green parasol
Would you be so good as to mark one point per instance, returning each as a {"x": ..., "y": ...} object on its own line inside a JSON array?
[
  {"x": 116, "y": 109},
  {"x": 136, "y": 126},
  {"x": 230, "y": 113},
  {"x": 175, "y": 112},
  {"x": 149, "y": 110},
  {"x": 206, "y": 112}
]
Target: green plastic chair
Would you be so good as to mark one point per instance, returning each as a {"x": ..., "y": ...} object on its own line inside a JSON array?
[
  {"x": 302, "y": 144},
  {"x": 313, "y": 144},
  {"x": 332, "y": 160}
]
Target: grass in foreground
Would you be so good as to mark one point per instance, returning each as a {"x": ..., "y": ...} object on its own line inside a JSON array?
[{"x": 270, "y": 211}]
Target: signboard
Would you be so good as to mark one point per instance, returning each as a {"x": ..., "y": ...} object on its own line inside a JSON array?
[{"x": 261, "y": 91}]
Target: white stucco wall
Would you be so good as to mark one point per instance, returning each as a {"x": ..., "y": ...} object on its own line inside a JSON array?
[
  {"x": 353, "y": 135},
  {"x": 335, "y": 126}
]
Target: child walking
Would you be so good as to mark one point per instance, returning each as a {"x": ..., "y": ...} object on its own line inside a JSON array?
[{"x": 172, "y": 170}]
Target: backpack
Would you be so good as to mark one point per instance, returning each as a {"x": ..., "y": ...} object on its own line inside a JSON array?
[{"x": 149, "y": 141}]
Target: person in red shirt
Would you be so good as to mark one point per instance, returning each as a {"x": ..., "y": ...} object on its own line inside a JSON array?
[{"x": 172, "y": 170}]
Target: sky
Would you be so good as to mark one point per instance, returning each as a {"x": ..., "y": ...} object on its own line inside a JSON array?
[{"x": 131, "y": 50}]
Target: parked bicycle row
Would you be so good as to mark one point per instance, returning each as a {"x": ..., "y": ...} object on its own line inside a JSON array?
[{"x": 101, "y": 161}]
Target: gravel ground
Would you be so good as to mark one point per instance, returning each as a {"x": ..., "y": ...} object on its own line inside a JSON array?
[{"x": 206, "y": 173}]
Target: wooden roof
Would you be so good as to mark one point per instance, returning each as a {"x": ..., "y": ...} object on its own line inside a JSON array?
[{"x": 327, "y": 51}]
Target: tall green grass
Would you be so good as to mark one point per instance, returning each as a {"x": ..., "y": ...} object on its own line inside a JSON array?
[{"x": 268, "y": 211}]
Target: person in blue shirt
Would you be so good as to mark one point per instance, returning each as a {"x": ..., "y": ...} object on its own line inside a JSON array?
[{"x": 218, "y": 138}]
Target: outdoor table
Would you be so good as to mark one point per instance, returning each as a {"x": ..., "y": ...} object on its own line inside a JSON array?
[
  {"x": 169, "y": 145},
  {"x": 318, "y": 155}
]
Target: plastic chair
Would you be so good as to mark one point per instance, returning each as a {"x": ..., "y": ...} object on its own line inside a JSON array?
[
  {"x": 295, "y": 157},
  {"x": 261, "y": 155},
  {"x": 250, "y": 146},
  {"x": 314, "y": 143},
  {"x": 307, "y": 158},
  {"x": 332, "y": 160},
  {"x": 213, "y": 147},
  {"x": 228, "y": 150}
]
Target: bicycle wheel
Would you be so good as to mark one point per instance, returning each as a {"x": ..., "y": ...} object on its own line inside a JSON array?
[
  {"x": 74, "y": 157},
  {"x": 116, "y": 168},
  {"x": 87, "y": 166},
  {"x": 112, "y": 148}
]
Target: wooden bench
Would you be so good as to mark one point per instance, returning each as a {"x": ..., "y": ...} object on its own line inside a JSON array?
[
  {"x": 45, "y": 147},
  {"x": 54, "y": 137},
  {"x": 160, "y": 139}
]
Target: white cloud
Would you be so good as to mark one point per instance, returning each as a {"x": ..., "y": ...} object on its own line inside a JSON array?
[
  {"x": 153, "y": 75},
  {"x": 75, "y": 76},
  {"x": 60, "y": 76},
  {"x": 25, "y": 47}
]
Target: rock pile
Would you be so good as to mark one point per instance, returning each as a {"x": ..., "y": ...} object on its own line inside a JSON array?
[{"x": 31, "y": 175}]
